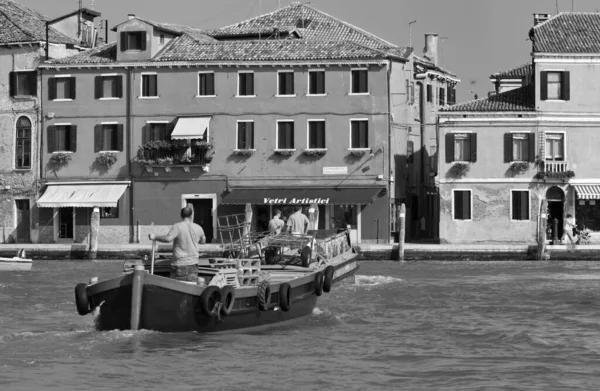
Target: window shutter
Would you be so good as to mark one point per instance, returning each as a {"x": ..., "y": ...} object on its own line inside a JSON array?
[
  {"x": 289, "y": 83},
  {"x": 531, "y": 147},
  {"x": 466, "y": 205},
  {"x": 98, "y": 80},
  {"x": 364, "y": 81},
  {"x": 524, "y": 209},
  {"x": 543, "y": 85},
  {"x": 120, "y": 137},
  {"x": 449, "y": 147},
  {"x": 364, "y": 135},
  {"x": 51, "y": 88},
  {"x": 210, "y": 83},
  {"x": 143, "y": 40},
  {"x": 13, "y": 83},
  {"x": 153, "y": 85},
  {"x": 516, "y": 200},
  {"x": 98, "y": 137},
  {"x": 169, "y": 129},
  {"x": 566, "y": 86},
  {"x": 50, "y": 140},
  {"x": 321, "y": 135},
  {"x": 473, "y": 140},
  {"x": 119, "y": 81},
  {"x": 124, "y": 42},
  {"x": 249, "y": 83},
  {"x": 508, "y": 147},
  {"x": 250, "y": 135},
  {"x": 73, "y": 87},
  {"x": 145, "y": 134},
  {"x": 73, "y": 138},
  {"x": 33, "y": 82}
]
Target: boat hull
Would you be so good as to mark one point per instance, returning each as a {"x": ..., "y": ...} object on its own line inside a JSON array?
[{"x": 15, "y": 264}]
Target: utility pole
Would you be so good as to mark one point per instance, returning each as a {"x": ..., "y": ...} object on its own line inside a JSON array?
[{"x": 410, "y": 33}]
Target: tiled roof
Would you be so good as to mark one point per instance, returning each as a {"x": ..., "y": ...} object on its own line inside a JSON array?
[
  {"x": 520, "y": 99},
  {"x": 515, "y": 73},
  {"x": 186, "y": 49},
  {"x": 104, "y": 54},
  {"x": 568, "y": 32},
  {"x": 177, "y": 29},
  {"x": 432, "y": 66},
  {"x": 263, "y": 32},
  {"x": 21, "y": 24},
  {"x": 315, "y": 25}
]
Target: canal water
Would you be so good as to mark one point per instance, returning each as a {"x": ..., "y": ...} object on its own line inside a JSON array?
[{"x": 402, "y": 326}]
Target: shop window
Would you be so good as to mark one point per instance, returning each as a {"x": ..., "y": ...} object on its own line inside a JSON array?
[
  {"x": 23, "y": 83},
  {"x": 344, "y": 216},
  {"x": 109, "y": 212},
  {"x": 285, "y": 83},
  {"x": 555, "y": 146},
  {"x": 133, "y": 40},
  {"x": 109, "y": 86},
  {"x": 245, "y": 135},
  {"x": 555, "y": 85},
  {"x": 108, "y": 137},
  {"x": 23, "y": 147},
  {"x": 461, "y": 204},
  {"x": 519, "y": 147},
  {"x": 61, "y": 88},
  {"x": 285, "y": 135},
  {"x": 360, "y": 81},
  {"x": 246, "y": 84},
  {"x": 149, "y": 85},
  {"x": 461, "y": 147},
  {"x": 316, "y": 82},
  {"x": 62, "y": 137},
  {"x": 206, "y": 84},
  {"x": 359, "y": 134},
  {"x": 519, "y": 204},
  {"x": 316, "y": 134}
]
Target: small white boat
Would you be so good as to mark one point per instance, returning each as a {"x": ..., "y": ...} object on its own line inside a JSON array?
[{"x": 18, "y": 263}]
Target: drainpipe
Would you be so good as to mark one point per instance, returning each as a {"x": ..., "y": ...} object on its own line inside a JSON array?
[
  {"x": 391, "y": 192},
  {"x": 129, "y": 153}
]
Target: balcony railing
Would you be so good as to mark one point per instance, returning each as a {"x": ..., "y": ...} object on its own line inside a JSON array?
[
  {"x": 556, "y": 166},
  {"x": 164, "y": 153}
]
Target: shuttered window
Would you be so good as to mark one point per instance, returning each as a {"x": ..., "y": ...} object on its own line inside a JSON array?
[
  {"x": 62, "y": 138},
  {"x": 62, "y": 87},
  {"x": 23, "y": 83},
  {"x": 519, "y": 147},
  {"x": 360, "y": 81},
  {"x": 555, "y": 146},
  {"x": 316, "y": 134},
  {"x": 246, "y": 84},
  {"x": 359, "y": 134},
  {"x": 108, "y": 137},
  {"x": 285, "y": 135},
  {"x": 109, "y": 86},
  {"x": 149, "y": 85},
  {"x": 461, "y": 147},
  {"x": 316, "y": 82},
  {"x": 555, "y": 85},
  {"x": 520, "y": 205},
  {"x": 285, "y": 83},
  {"x": 206, "y": 84},
  {"x": 156, "y": 132},
  {"x": 133, "y": 40},
  {"x": 462, "y": 204},
  {"x": 245, "y": 135}
]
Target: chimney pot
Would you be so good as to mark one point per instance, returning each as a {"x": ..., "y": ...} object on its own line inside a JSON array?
[
  {"x": 540, "y": 18},
  {"x": 431, "y": 48},
  {"x": 130, "y": 16}
]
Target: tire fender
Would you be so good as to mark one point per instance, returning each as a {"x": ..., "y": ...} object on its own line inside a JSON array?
[
  {"x": 319, "y": 277},
  {"x": 227, "y": 299},
  {"x": 81, "y": 299},
  {"x": 264, "y": 295},
  {"x": 285, "y": 297},
  {"x": 329, "y": 272},
  {"x": 210, "y": 296}
]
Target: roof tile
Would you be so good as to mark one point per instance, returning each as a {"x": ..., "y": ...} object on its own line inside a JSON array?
[
  {"x": 515, "y": 73},
  {"x": 568, "y": 32}
]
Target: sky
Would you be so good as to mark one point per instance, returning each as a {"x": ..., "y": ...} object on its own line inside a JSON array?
[{"x": 477, "y": 37}]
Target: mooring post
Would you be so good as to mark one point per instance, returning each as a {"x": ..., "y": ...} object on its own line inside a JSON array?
[
  {"x": 137, "y": 288},
  {"x": 541, "y": 240},
  {"x": 402, "y": 224}
]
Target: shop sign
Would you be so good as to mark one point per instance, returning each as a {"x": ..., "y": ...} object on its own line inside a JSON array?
[
  {"x": 335, "y": 170},
  {"x": 295, "y": 201}
]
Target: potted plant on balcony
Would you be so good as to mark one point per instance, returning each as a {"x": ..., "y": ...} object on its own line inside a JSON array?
[
  {"x": 285, "y": 152},
  {"x": 561, "y": 176},
  {"x": 315, "y": 152},
  {"x": 59, "y": 159},
  {"x": 458, "y": 170},
  {"x": 106, "y": 159},
  {"x": 359, "y": 152},
  {"x": 518, "y": 168}
]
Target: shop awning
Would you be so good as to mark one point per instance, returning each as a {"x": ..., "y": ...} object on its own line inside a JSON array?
[
  {"x": 302, "y": 196},
  {"x": 190, "y": 127},
  {"x": 588, "y": 192},
  {"x": 82, "y": 196}
]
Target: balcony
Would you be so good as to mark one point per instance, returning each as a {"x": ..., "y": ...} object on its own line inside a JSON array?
[
  {"x": 556, "y": 166},
  {"x": 175, "y": 154},
  {"x": 553, "y": 170}
]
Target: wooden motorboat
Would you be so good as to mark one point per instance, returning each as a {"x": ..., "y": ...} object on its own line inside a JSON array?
[{"x": 18, "y": 263}]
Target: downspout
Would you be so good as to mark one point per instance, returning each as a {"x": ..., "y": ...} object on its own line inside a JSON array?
[
  {"x": 391, "y": 192},
  {"x": 129, "y": 154}
]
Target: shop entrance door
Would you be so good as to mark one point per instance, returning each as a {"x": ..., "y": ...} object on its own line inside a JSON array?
[
  {"x": 203, "y": 216},
  {"x": 555, "y": 197},
  {"x": 22, "y": 221},
  {"x": 65, "y": 223}
]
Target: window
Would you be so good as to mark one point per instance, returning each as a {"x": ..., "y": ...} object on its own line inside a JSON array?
[
  {"x": 555, "y": 146},
  {"x": 519, "y": 205},
  {"x": 23, "y": 147},
  {"x": 109, "y": 212},
  {"x": 451, "y": 95},
  {"x": 554, "y": 85},
  {"x": 108, "y": 137},
  {"x": 155, "y": 131},
  {"x": 442, "y": 96},
  {"x": 133, "y": 40},
  {"x": 149, "y": 85},
  {"x": 462, "y": 204},
  {"x": 23, "y": 83},
  {"x": 285, "y": 83},
  {"x": 316, "y": 134},
  {"x": 359, "y": 134},
  {"x": 62, "y": 137},
  {"x": 285, "y": 134},
  {"x": 360, "y": 81},
  {"x": 429, "y": 93},
  {"x": 246, "y": 84},
  {"x": 109, "y": 86},
  {"x": 245, "y": 135},
  {"x": 519, "y": 147},
  {"x": 316, "y": 82},
  {"x": 461, "y": 147},
  {"x": 61, "y": 88},
  {"x": 206, "y": 84}
]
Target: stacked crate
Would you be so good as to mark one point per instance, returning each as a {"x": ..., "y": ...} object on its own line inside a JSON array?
[{"x": 248, "y": 271}]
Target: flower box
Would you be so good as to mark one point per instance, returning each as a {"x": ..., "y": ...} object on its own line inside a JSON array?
[
  {"x": 315, "y": 152},
  {"x": 285, "y": 152},
  {"x": 243, "y": 152}
]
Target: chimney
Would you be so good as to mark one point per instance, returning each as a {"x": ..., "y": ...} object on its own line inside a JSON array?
[
  {"x": 130, "y": 16},
  {"x": 430, "y": 51},
  {"x": 540, "y": 18}
]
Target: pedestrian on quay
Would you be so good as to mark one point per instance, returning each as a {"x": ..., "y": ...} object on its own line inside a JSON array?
[
  {"x": 185, "y": 235},
  {"x": 569, "y": 224},
  {"x": 276, "y": 224},
  {"x": 298, "y": 222}
]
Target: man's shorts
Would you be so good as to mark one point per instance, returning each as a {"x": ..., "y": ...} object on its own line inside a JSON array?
[{"x": 185, "y": 273}]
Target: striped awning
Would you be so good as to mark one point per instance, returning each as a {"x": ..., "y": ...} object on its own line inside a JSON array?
[{"x": 588, "y": 192}]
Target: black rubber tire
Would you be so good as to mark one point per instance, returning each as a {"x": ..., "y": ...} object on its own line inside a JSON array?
[
  {"x": 209, "y": 297},
  {"x": 264, "y": 295},
  {"x": 285, "y": 297},
  {"x": 305, "y": 256},
  {"x": 81, "y": 299},
  {"x": 319, "y": 278},
  {"x": 227, "y": 299},
  {"x": 329, "y": 272},
  {"x": 270, "y": 256}
]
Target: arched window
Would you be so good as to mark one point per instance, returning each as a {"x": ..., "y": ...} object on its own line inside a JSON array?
[{"x": 23, "y": 147}]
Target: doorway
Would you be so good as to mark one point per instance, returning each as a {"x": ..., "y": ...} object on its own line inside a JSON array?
[
  {"x": 203, "y": 216},
  {"x": 556, "y": 210},
  {"x": 23, "y": 221},
  {"x": 65, "y": 223}
]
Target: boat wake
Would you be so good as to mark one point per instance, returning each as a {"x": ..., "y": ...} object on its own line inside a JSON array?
[{"x": 370, "y": 281}]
